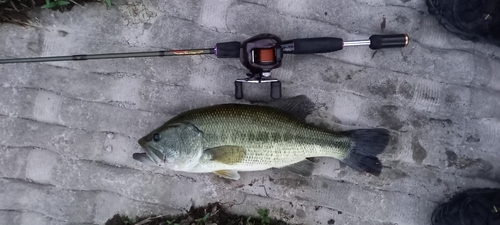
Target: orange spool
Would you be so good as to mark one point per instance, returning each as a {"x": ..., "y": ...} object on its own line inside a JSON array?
[{"x": 266, "y": 55}]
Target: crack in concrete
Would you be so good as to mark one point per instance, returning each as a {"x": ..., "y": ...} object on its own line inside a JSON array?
[
  {"x": 23, "y": 181},
  {"x": 296, "y": 202},
  {"x": 291, "y": 16},
  {"x": 457, "y": 175},
  {"x": 374, "y": 188},
  {"x": 21, "y": 211},
  {"x": 155, "y": 81},
  {"x": 197, "y": 24},
  {"x": 104, "y": 163},
  {"x": 471, "y": 86},
  {"x": 82, "y": 100},
  {"x": 130, "y": 75},
  {"x": 466, "y": 50},
  {"x": 406, "y": 7},
  {"x": 301, "y": 202},
  {"x": 65, "y": 126},
  {"x": 391, "y": 5}
]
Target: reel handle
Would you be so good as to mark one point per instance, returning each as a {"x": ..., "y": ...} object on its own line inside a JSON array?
[
  {"x": 238, "y": 89},
  {"x": 276, "y": 90}
]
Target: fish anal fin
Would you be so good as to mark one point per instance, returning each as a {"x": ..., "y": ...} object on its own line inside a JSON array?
[
  {"x": 228, "y": 174},
  {"x": 227, "y": 154},
  {"x": 314, "y": 160},
  {"x": 304, "y": 168}
]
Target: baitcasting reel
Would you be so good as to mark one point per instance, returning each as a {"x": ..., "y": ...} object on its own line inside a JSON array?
[
  {"x": 262, "y": 53},
  {"x": 259, "y": 54}
]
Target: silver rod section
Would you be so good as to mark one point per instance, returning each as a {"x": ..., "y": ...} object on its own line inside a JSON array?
[{"x": 356, "y": 43}]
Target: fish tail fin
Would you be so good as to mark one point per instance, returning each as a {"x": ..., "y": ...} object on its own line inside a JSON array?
[{"x": 366, "y": 144}]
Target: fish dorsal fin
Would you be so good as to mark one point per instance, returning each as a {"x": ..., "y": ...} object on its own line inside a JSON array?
[
  {"x": 228, "y": 174},
  {"x": 227, "y": 154},
  {"x": 304, "y": 168},
  {"x": 300, "y": 106}
]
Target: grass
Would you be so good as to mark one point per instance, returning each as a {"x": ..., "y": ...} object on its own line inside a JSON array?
[
  {"x": 210, "y": 214},
  {"x": 18, "y": 11},
  {"x": 54, "y": 4},
  {"x": 264, "y": 215}
]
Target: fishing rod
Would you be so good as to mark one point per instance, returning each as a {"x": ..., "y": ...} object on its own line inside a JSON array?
[{"x": 259, "y": 54}]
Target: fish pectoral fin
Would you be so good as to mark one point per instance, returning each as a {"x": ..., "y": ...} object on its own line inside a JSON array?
[
  {"x": 227, "y": 154},
  {"x": 143, "y": 158},
  {"x": 304, "y": 168},
  {"x": 229, "y": 174}
]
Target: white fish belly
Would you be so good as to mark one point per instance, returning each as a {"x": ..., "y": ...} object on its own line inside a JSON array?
[{"x": 262, "y": 156}]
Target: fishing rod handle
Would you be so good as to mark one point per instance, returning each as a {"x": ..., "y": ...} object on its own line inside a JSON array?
[
  {"x": 312, "y": 45},
  {"x": 389, "y": 41}
]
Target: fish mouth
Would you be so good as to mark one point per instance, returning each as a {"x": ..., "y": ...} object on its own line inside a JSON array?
[{"x": 154, "y": 154}]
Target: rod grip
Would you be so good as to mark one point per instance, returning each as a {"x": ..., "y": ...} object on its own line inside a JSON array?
[
  {"x": 315, "y": 45},
  {"x": 228, "y": 49},
  {"x": 389, "y": 41}
]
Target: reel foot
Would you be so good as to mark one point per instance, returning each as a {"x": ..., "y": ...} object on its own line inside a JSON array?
[{"x": 275, "y": 84}]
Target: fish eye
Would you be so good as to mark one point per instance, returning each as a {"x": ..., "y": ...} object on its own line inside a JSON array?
[{"x": 156, "y": 137}]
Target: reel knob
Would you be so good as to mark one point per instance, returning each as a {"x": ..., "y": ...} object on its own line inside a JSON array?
[
  {"x": 238, "y": 89},
  {"x": 276, "y": 89}
]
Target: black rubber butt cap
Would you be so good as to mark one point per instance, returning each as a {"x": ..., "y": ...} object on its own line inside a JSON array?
[
  {"x": 317, "y": 45},
  {"x": 228, "y": 49},
  {"x": 389, "y": 41}
]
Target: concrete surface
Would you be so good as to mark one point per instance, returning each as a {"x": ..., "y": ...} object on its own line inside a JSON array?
[{"x": 69, "y": 129}]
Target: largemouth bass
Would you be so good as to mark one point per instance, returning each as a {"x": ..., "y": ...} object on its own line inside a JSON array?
[{"x": 227, "y": 138}]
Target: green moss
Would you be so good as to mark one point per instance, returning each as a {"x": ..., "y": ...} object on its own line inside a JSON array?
[
  {"x": 18, "y": 11},
  {"x": 210, "y": 214}
]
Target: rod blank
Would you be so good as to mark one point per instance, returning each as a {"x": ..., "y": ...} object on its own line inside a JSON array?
[{"x": 110, "y": 56}]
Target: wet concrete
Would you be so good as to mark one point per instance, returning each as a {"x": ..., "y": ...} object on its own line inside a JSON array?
[{"x": 69, "y": 129}]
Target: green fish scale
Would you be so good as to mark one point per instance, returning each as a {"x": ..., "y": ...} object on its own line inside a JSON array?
[{"x": 269, "y": 136}]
